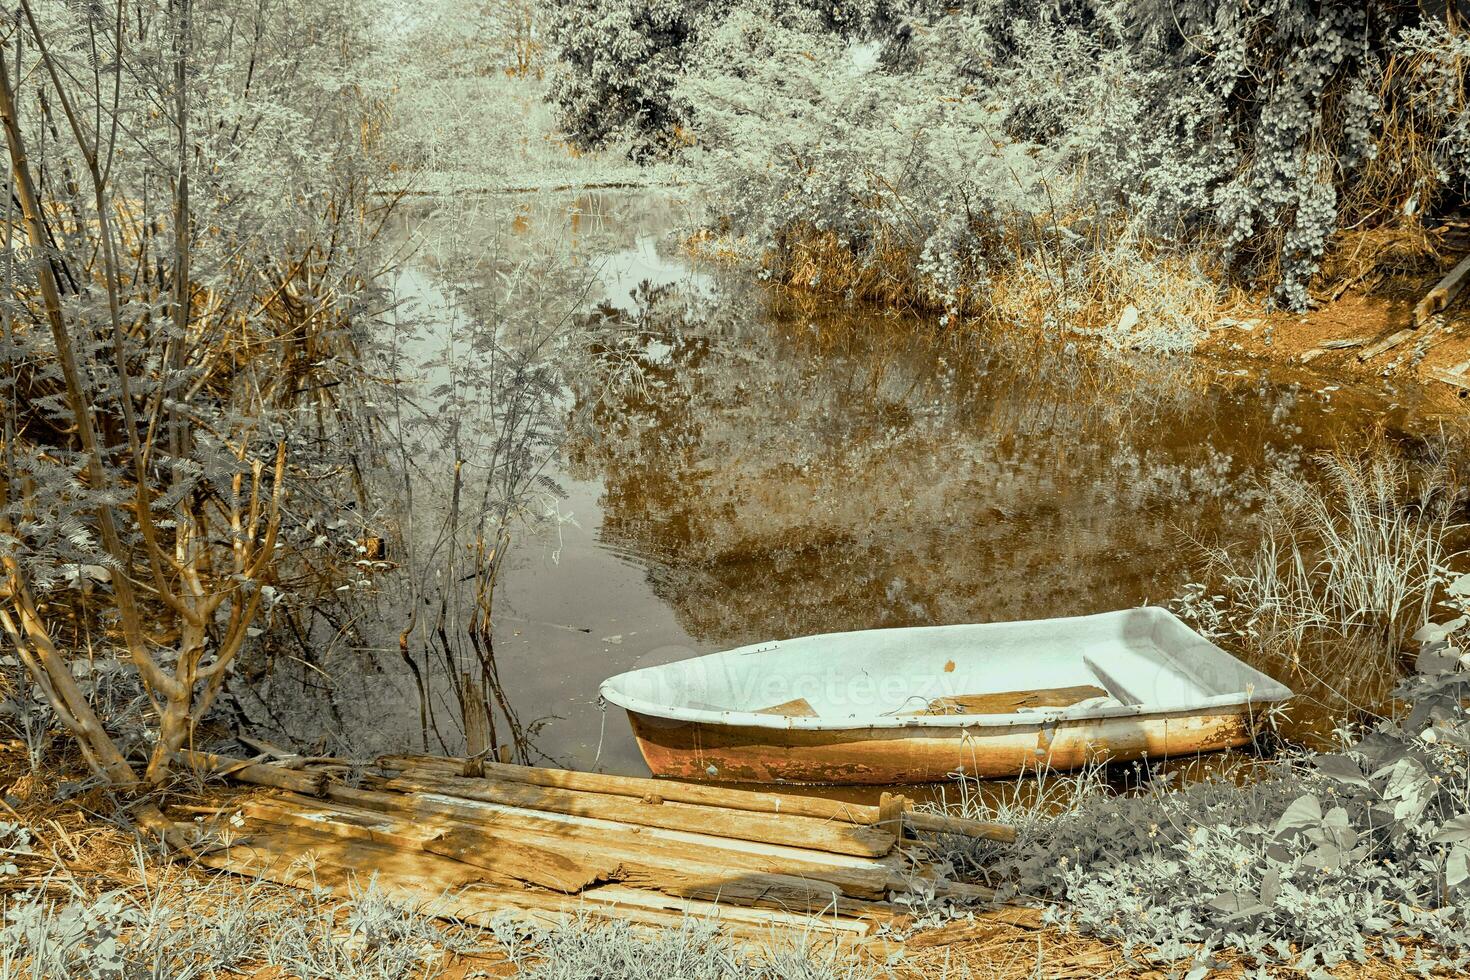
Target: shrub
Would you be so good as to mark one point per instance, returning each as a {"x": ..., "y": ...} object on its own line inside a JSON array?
[
  {"x": 618, "y": 63},
  {"x": 1006, "y": 200},
  {"x": 1307, "y": 862},
  {"x": 1253, "y": 131}
]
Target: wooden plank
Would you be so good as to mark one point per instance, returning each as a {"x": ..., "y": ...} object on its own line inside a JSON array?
[
  {"x": 796, "y": 831},
  {"x": 548, "y": 863},
  {"x": 441, "y": 887},
  {"x": 618, "y": 897},
  {"x": 538, "y": 861},
  {"x": 346, "y": 822},
  {"x": 481, "y": 813},
  {"x": 940, "y": 823},
  {"x": 661, "y": 849},
  {"x": 666, "y": 789},
  {"x": 1387, "y": 343},
  {"x": 798, "y": 708},
  {"x": 641, "y": 851},
  {"x": 1443, "y": 293},
  {"x": 448, "y": 765},
  {"x": 303, "y": 859},
  {"x": 294, "y": 856},
  {"x": 685, "y": 876},
  {"x": 1339, "y": 343},
  {"x": 681, "y": 792},
  {"x": 1460, "y": 381},
  {"x": 890, "y": 812},
  {"x": 1009, "y": 702},
  {"x": 310, "y": 782}
]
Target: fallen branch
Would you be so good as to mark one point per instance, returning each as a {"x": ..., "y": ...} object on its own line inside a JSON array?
[{"x": 1443, "y": 293}]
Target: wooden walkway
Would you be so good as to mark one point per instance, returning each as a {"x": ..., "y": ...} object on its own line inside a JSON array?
[{"x": 469, "y": 841}]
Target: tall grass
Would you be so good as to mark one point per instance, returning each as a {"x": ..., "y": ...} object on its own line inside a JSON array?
[
  {"x": 1351, "y": 551},
  {"x": 175, "y": 924},
  {"x": 615, "y": 950}
]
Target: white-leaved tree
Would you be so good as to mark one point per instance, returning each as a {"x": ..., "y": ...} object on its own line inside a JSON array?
[{"x": 188, "y": 193}]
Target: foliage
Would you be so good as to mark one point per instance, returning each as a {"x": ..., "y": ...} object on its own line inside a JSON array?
[
  {"x": 187, "y": 273},
  {"x": 618, "y": 63},
  {"x": 213, "y": 930},
  {"x": 1306, "y": 862},
  {"x": 585, "y": 947},
  {"x": 1035, "y": 134},
  {"x": 1009, "y": 204}
]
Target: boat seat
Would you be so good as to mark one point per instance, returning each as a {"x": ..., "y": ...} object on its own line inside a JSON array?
[
  {"x": 1010, "y": 702},
  {"x": 798, "y": 708}
]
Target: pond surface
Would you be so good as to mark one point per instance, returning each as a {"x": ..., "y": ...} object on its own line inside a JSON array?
[{"x": 786, "y": 466}]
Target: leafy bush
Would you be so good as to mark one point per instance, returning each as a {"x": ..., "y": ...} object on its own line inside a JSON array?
[
  {"x": 1308, "y": 861},
  {"x": 997, "y": 134},
  {"x": 618, "y": 62},
  {"x": 1007, "y": 201}
]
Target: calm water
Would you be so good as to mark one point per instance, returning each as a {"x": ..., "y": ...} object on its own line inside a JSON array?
[{"x": 785, "y": 466}]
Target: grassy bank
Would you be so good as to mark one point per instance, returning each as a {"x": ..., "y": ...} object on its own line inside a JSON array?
[
  {"x": 1348, "y": 844},
  {"x": 1102, "y": 170},
  {"x": 194, "y": 414}
]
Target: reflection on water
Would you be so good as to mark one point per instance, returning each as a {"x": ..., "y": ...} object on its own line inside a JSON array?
[{"x": 782, "y": 467}]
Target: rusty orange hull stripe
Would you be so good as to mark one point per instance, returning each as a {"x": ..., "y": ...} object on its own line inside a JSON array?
[{"x": 882, "y": 756}]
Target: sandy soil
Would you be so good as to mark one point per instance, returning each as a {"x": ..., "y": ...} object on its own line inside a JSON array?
[{"x": 1303, "y": 339}]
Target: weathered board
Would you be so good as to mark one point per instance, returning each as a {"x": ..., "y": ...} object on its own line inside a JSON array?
[
  {"x": 704, "y": 793},
  {"x": 547, "y": 845},
  {"x": 796, "y": 831},
  {"x": 1009, "y": 702},
  {"x": 442, "y": 887}
]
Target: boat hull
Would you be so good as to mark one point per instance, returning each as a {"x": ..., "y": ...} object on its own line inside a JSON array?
[{"x": 883, "y": 756}]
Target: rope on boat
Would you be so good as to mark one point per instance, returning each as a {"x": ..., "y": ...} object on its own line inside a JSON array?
[{"x": 602, "y": 729}]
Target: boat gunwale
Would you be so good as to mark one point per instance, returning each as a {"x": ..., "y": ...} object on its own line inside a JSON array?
[
  {"x": 1273, "y": 691},
  {"x": 752, "y": 719}
]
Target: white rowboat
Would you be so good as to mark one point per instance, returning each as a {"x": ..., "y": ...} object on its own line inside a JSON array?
[{"x": 920, "y": 704}]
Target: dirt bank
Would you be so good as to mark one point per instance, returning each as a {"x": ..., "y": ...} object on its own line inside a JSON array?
[{"x": 1366, "y": 335}]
